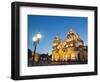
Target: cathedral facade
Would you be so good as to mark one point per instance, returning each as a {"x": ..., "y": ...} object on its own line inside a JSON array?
[{"x": 72, "y": 48}]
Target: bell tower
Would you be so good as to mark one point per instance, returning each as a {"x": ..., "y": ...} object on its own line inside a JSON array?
[{"x": 56, "y": 46}]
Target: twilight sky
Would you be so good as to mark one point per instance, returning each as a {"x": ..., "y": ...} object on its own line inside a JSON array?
[{"x": 49, "y": 26}]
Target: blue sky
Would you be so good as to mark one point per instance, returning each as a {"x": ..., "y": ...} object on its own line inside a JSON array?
[{"x": 49, "y": 26}]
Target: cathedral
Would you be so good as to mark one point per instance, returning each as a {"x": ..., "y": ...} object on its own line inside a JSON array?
[{"x": 72, "y": 48}]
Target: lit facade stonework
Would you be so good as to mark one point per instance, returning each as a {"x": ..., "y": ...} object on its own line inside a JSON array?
[{"x": 72, "y": 48}]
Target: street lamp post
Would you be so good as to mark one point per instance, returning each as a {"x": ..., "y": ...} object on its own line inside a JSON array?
[
  {"x": 36, "y": 40},
  {"x": 35, "y": 45}
]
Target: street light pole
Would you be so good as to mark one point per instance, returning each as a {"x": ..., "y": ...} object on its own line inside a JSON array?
[
  {"x": 36, "y": 40},
  {"x": 35, "y": 45}
]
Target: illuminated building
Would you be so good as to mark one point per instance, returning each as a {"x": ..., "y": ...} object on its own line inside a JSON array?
[{"x": 72, "y": 48}]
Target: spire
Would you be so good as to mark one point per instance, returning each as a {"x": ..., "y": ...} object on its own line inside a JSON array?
[
  {"x": 71, "y": 30},
  {"x": 57, "y": 36}
]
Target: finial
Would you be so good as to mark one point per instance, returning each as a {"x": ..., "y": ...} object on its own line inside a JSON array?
[
  {"x": 71, "y": 29},
  {"x": 57, "y": 36}
]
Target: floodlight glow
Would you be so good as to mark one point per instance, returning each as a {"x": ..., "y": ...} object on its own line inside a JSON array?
[
  {"x": 39, "y": 36},
  {"x": 34, "y": 39}
]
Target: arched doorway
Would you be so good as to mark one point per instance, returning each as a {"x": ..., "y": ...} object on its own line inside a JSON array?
[{"x": 79, "y": 57}]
